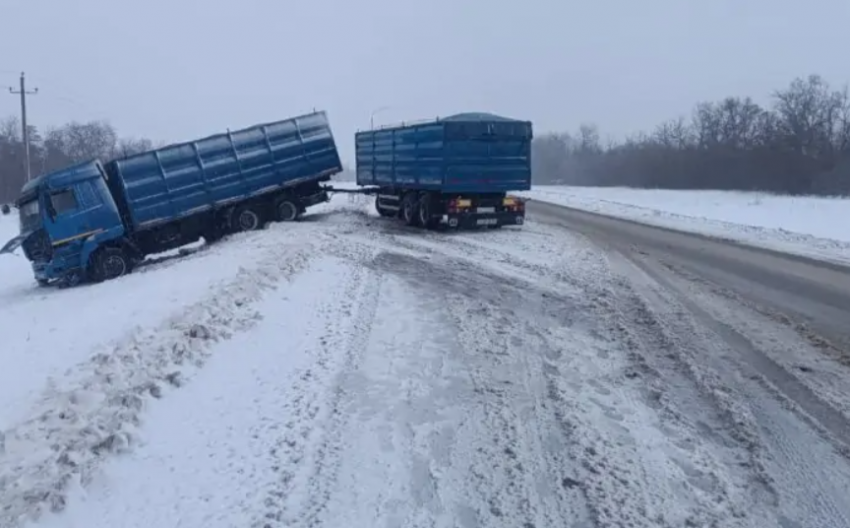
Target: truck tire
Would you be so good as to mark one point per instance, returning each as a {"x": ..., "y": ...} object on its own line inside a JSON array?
[
  {"x": 247, "y": 218},
  {"x": 108, "y": 264},
  {"x": 410, "y": 209},
  {"x": 287, "y": 210},
  {"x": 70, "y": 280},
  {"x": 426, "y": 211},
  {"x": 387, "y": 213}
]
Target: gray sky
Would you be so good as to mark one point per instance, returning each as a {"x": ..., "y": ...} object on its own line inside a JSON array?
[{"x": 181, "y": 69}]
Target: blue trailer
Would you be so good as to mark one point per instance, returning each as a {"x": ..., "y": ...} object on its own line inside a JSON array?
[
  {"x": 452, "y": 172},
  {"x": 96, "y": 221}
]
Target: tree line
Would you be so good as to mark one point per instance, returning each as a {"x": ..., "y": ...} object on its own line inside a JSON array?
[
  {"x": 57, "y": 147},
  {"x": 799, "y": 144}
]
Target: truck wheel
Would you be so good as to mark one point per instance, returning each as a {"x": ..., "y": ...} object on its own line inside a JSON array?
[
  {"x": 410, "y": 209},
  {"x": 42, "y": 282},
  {"x": 247, "y": 219},
  {"x": 387, "y": 213},
  {"x": 287, "y": 210},
  {"x": 426, "y": 218},
  {"x": 110, "y": 263},
  {"x": 70, "y": 280}
]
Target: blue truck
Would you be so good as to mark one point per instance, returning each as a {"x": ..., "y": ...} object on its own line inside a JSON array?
[
  {"x": 96, "y": 221},
  {"x": 454, "y": 172}
]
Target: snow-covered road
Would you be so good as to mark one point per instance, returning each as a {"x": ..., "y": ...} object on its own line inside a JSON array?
[{"x": 344, "y": 371}]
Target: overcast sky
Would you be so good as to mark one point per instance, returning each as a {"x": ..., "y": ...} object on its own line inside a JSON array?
[{"x": 181, "y": 69}]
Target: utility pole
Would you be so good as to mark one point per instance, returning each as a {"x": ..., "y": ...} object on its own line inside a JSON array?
[{"x": 25, "y": 131}]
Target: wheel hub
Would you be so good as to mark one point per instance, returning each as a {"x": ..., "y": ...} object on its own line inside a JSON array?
[
  {"x": 248, "y": 220},
  {"x": 114, "y": 266},
  {"x": 287, "y": 211}
]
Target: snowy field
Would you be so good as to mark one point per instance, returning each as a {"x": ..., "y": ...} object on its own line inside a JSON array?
[
  {"x": 808, "y": 226},
  {"x": 348, "y": 371}
]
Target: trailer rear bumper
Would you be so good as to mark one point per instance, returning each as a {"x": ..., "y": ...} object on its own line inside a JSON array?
[{"x": 474, "y": 221}]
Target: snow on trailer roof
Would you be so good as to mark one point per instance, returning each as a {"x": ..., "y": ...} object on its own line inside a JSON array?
[
  {"x": 454, "y": 118},
  {"x": 477, "y": 116}
]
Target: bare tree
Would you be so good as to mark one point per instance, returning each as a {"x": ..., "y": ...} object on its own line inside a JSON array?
[
  {"x": 56, "y": 148},
  {"x": 799, "y": 145}
]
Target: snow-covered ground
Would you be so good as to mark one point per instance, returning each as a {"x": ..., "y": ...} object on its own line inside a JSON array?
[
  {"x": 808, "y": 226},
  {"x": 348, "y": 371}
]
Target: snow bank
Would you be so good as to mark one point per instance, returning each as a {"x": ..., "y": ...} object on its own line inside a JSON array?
[
  {"x": 217, "y": 446},
  {"x": 77, "y": 365},
  {"x": 94, "y": 410},
  {"x": 46, "y": 331},
  {"x": 14, "y": 269},
  {"x": 809, "y": 226}
]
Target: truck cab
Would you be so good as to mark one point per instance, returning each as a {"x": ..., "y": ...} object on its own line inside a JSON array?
[{"x": 64, "y": 216}]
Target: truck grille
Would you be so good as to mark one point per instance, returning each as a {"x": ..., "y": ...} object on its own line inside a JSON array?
[{"x": 37, "y": 247}]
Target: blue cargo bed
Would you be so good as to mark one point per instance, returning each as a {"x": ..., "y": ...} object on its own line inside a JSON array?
[
  {"x": 179, "y": 180},
  {"x": 465, "y": 153}
]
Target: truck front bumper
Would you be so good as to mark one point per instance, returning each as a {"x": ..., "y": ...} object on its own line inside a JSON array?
[
  {"x": 472, "y": 221},
  {"x": 61, "y": 267}
]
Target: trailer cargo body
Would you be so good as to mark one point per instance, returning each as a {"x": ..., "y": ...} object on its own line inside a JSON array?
[
  {"x": 159, "y": 186},
  {"x": 96, "y": 221},
  {"x": 455, "y": 171}
]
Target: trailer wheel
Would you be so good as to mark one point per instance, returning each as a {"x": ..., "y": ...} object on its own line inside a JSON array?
[
  {"x": 287, "y": 210},
  {"x": 109, "y": 263},
  {"x": 426, "y": 209},
  {"x": 410, "y": 209},
  {"x": 247, "y": 219}
]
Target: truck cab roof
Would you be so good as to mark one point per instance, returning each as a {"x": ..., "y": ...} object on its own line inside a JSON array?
[{"x": 61, "y": 178}]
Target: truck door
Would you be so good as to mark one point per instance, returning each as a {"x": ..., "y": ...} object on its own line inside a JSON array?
[{"x": 68, "y": 219}]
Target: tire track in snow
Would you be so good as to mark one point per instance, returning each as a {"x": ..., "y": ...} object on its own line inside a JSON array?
[
  {"x": 665, "y": 342},
  {"x": 327, "y": 455},
  {"x": 521, "y": 472},
  {"x": 805, "y": 471},
  {"x": 95, "y": 411},
  {"x": 791, "y": 363},
  {"x": 307, "y": 456},
  {"x": 619, "y": 474},
  {"x": 703, "y": 485},
  {"x": 614, "y": 468}
]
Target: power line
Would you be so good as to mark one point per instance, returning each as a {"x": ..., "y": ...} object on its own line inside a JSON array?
[{"x": 26, "y": 136}]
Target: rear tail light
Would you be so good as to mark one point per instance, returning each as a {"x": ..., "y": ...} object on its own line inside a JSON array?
[
  {"x": 513, "y": 204},
  {"x": 457, "y": 205}
]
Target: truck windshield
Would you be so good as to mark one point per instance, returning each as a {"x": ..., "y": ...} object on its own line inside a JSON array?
[{"x": 29, "y": 215}]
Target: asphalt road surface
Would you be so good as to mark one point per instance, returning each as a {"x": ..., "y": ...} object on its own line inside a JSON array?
[
  {"x": 775, "y": 331},
  {"x": 811, "y": 292}
]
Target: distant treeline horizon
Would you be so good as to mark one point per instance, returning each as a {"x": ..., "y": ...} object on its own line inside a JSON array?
[{"x": 800, "y": 144}]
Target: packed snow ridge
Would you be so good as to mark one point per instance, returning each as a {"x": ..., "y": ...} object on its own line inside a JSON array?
[
  {"x": 95, "y": 409},
  {"x": 809, "y": 226}
]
